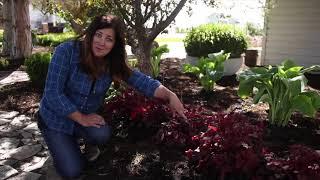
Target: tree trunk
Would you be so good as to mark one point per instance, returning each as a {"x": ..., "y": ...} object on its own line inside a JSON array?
[
  {"x": 21, "y": 37},
  {"x": 7, "y": 33},
  {"x": 143, "y": 53},
  {"x": 76, "y": 27}
]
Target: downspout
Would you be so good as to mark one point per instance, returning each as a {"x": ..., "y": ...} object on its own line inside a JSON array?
[{"x": 265, "y": 32}]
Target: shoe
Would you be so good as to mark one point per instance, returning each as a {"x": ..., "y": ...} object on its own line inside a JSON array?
[{"x": 91, "y": 152}]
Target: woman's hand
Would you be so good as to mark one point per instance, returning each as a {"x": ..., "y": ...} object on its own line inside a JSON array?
[
  {"x": 93, "y": 120},
  {"x": 175, "y": 104},
  {"x": 88, "y": 120}
]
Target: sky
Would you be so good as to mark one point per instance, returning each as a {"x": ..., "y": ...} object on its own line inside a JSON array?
[{"x": 241, "y": 10}]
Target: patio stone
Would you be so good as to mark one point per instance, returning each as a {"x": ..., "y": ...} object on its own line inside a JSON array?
[{"x": 7, "y": 171}]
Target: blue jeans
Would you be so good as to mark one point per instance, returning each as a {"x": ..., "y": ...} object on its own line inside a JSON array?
[{"x": 65, "y": 150}]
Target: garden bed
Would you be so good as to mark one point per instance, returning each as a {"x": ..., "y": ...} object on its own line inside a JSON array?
[{"x": 143, "y": 150}]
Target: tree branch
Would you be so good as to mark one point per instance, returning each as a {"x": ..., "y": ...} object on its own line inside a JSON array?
[
  {"x": 124, "y": 13},
  {"x": 163, "y": 24}
]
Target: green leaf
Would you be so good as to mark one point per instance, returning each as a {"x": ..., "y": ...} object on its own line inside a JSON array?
[
  {"x": 187, "y": 68},
  {"x": 287, "y": 64},
  {"x": 297, "y": 84},
  {"x": 315, "y": 98},
  {"x": 312, "y": 68},
  {"x": 245, "y": 88},
  {"x": 266, "y": 98},
  {"x": 303, "y": 104},
  {"x": 258, "y": 96},
  {"x": 293, "y": 71},
  {"x": 259, "y": 70}
]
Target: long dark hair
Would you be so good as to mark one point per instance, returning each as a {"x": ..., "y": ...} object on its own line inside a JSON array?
[{"x": 115, "y": 61}]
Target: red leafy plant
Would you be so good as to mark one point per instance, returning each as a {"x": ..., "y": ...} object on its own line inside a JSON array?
[
  {"x": 231, "y": 145},
  {"x": 301, "y": 163},
  {"x": 134, "y": 114},
  {"x": 182, "y": 134},
  {"x": 217, "y": 144}
]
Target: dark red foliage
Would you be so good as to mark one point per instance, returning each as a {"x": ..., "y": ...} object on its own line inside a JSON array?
[
  {"x": 216, "y": 145},
  {"x": 300, "y": 163},
  {"x": 133, "y": 115},
  {"x": 225, "y": 143},
  {"x": 231, "y": 144},
  {"x": 136, "y": 107}
]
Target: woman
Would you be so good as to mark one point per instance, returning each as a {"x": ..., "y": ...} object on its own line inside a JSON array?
[{"x": 79, "y": 75}]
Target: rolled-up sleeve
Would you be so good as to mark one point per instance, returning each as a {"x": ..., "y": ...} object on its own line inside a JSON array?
[
  {"x": 56, "y": 80},
  {"x": 143, "y": 83}
]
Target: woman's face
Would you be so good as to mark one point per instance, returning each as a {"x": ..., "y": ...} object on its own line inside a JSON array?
[{"x": 103, "y": 42}]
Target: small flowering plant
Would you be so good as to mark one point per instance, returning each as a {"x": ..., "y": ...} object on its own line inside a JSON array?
[{"x": 134, "y": 114}]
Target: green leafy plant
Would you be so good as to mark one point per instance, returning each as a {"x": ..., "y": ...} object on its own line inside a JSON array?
[
  {"x": 4, "y": 63},
  {"x": 208, "y": 69},
  {"x": 254, "y": 30},
  {"x": 37, "y": 68},
  {"x": 1, "y": 35},
  {"x": 209, "y": 38},
  {"x": 282, "y": 87},
  {"x": 54, "y": 39},
  {"x": 156, "y": 54}
]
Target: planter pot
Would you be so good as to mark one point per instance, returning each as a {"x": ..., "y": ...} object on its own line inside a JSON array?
[
  {"x": 192, "y": 60},
  {"x": 313, "y": 79},
  {"x": 251, "y": 57},
  {"x": 231, "y": 65}
]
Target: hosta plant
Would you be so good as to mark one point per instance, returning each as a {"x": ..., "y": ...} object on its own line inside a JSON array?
[
  {"x": 156, "y": 54},
  {"x": 283, "y": 88},
  {"x": 208, "y": 69}
]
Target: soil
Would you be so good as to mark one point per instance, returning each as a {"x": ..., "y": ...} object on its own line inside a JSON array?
[{"x": 126, "y": 158}]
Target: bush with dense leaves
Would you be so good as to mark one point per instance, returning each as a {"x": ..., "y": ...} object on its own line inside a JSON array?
[
  {"x": 37, "y": 68},
  {"x": 54, "y": 39},
  {"x": 212, "y": 38}
]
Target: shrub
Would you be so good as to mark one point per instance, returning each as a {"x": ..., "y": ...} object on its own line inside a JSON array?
[
  {"x": 4, "y": 63},
  {"x": 254, "y": 30},
  {"x": 37, "y": 68},
  {"x": 212, "y": 38},
  {"x": 54, "y": 39}
]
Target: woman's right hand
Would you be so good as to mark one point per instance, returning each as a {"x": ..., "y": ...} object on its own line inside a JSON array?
[
  {"x": 93, "y": 120},
  {"x": 87, "y": 120}
]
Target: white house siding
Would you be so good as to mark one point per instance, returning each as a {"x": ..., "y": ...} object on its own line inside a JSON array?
[{"x": 293, "y": 31}]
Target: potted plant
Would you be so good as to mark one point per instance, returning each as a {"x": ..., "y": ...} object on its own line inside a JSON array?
[{"x": 212, "y": 38}]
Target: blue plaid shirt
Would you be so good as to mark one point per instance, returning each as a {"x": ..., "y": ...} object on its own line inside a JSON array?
[{"x": 69, "y": 89}]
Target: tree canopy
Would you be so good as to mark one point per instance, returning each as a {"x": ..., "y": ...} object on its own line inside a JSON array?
[{"x": 144, "y": 19}]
